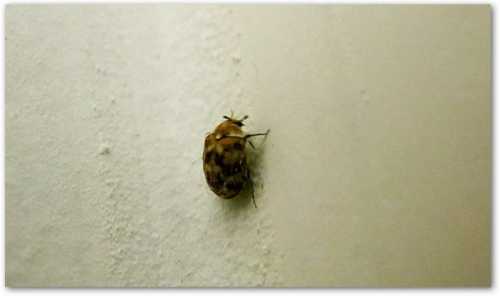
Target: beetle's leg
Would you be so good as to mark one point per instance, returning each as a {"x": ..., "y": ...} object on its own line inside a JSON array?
[
  {"x": 251, "y": 144},
  {"x": 259, "y": 134},
  {"x": 248, "y": 136},
  {"x": 250, "y": 181}
]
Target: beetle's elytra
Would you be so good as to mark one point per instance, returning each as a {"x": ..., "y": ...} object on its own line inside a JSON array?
[{"x": 224, "y": 158}]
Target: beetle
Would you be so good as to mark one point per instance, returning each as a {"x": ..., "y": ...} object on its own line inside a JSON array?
[{"x": 225, "y": 160}]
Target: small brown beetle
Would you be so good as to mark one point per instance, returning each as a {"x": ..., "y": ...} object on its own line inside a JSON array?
[{"x": 224, "y": 158}]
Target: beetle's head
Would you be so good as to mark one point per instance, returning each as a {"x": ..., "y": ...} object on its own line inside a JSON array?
[{"x": 238, "y": 122}]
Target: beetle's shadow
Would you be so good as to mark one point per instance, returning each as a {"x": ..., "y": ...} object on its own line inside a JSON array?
[{"x": 241, "y": 202}]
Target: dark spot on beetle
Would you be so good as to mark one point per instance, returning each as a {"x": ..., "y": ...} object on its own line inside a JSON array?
[
  {"x": 209, "y": 155},
  {"x": 219, "y": 179},
  {"x": 227, "y": 170},
  {"x": 219, "y": 159},
  {"x": 233, "y": 186},
  {"x": 238, "y": 146}
]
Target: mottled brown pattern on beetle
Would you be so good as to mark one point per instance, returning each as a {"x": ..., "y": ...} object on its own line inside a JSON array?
[{"x": 224, "y": 159}]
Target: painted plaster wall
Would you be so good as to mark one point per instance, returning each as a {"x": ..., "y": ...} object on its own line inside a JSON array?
[{"x": 376, "y": 172}]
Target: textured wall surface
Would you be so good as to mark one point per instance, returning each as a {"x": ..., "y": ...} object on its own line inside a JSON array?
[{"x": 376, "y": 172}]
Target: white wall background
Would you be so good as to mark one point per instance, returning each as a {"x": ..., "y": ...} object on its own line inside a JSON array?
[{"x": 376, "y": 172}]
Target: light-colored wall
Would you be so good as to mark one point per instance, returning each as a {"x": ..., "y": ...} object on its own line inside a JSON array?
[{"x": 377, "y": 171}]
